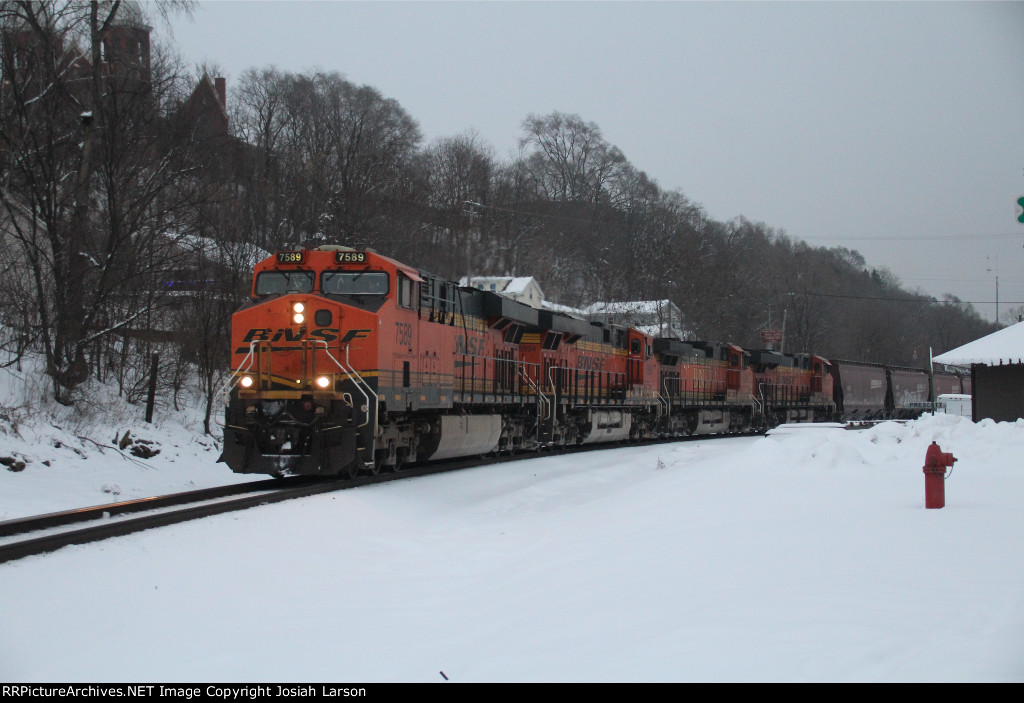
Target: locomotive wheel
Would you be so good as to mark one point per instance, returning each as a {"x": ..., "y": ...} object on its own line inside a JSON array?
[
  {"x": 350, "y": 471},
  {"x": 692, "y": 422},
  {"x": 401, "y": 459}
]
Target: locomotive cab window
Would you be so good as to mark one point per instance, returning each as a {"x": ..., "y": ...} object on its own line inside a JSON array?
[
  {"x": 404, "y": 291},
  {"x": 354, "y": 283},
  {"x": 279, "y": 282}
]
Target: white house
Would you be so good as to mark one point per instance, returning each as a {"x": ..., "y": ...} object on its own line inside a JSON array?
[{"x": 523, "y": 289}]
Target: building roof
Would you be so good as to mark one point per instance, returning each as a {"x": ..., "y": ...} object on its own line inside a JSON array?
[
  {"x": 1003, "y": 347},
  {"x": 519, "y": 284},
  {"x": 510, "y": 285},
  {"x": 205, "y": 108},
  {"x": 563, "y": 309}
]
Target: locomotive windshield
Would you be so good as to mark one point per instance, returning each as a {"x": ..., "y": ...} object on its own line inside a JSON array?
[
  {"x": 277, "y": 282},
  {"x": 354, "y": 283}
]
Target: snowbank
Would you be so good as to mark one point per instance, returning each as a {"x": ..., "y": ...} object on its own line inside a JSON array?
[
  {"x": 803, "y": 556},
  {"x": 54, "y": 457}
]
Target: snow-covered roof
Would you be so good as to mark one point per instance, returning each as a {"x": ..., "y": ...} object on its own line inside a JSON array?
[
  {"x": 517, "y": 287},
  {"x": 564, "y": 309},
  {"x": 1003, "y": 347},
  {"x": 512, "y": 285},
  {"x": 225, "y": 253},
  {"x": 652, "y": 330},
  {"x": 635, "y": 306},
  {"x": 519, "y": 284}
]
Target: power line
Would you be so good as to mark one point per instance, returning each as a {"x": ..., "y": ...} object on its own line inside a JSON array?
[
  {"x": 871, "y": 238},
  {"x": 923, "y": 301},
  {"x": 908, "y": 278},
  {"x": 912, "y": 238}
]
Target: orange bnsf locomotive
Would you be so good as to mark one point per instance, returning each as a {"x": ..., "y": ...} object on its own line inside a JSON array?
[{"x": 347, "y": 361}]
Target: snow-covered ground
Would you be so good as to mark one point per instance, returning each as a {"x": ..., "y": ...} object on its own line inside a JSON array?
[
  {"x": 802, "y": 556},
  {"x": 56, "y": 458}
]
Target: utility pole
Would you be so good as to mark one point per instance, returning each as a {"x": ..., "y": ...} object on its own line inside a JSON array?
[
  {"x": 782, "y": 344},
  {"x": 996, "y": 271}
]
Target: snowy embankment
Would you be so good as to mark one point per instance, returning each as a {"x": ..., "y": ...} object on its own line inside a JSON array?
[
  {"x": 802, "y": 556},
  {"x": 102, "y": 451}
]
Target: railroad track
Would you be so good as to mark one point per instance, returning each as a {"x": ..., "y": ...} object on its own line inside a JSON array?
[
  {"x": 30, "y": 536},
  {"x": 46, "y": 533}
]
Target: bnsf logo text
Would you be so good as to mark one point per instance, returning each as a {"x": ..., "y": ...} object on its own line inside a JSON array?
[
  {"x": 589, "y": 363},
  {"x": 261, "y": 334},
  {"x": 475, "y": 346},
  {"x": 327, "y": 334}
]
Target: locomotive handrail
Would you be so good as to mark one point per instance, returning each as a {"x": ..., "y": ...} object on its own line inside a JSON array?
[
  {"x": 511, "y": 363},
  {"x": 236, "y": 376},
  {"x": 359, "y": 383},
  {"x": 376, "y": 397},
  {"x": 663, "y": 405},
  {"x": 663, "y": 400},
  {"x": 540, "y": 395},
  {"x": 551, "y": 379}
]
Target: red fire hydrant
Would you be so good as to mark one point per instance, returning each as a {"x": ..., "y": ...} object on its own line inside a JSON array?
[{"x": 936, "y": 462}]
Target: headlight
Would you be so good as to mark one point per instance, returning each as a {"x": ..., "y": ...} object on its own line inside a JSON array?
[
  {"x": 299, "y": 307},
  {"x": 298, "y": 318},
  {"x": 323, "y": 381},
  {"x": 246, "y": 381}
]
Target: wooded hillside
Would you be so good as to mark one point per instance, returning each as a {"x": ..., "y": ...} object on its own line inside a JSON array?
[{"x": 136, "y": 195}]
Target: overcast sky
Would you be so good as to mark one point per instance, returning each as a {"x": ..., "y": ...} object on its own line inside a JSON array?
[{"x": 896, "y": 129}]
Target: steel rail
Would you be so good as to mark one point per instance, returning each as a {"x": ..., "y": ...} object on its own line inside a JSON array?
[
  {"x": 97, "y": 512},
  {"x": 264, "y": 493},
  {"x": 106, "y": 528}
]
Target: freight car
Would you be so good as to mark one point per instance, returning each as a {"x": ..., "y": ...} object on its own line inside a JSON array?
[
  {"x": 861, "y": 390},
  {"x": 866, "y": 391}
]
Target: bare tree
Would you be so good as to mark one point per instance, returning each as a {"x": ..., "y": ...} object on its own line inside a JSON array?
[
  {"x": 459, "y": 181},
  {"x": 1013, "y": 315},
  {"x": 337, "y": 160},
  {"x": 92, "y": 182},
  {"x": 570, "y": 161}
]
